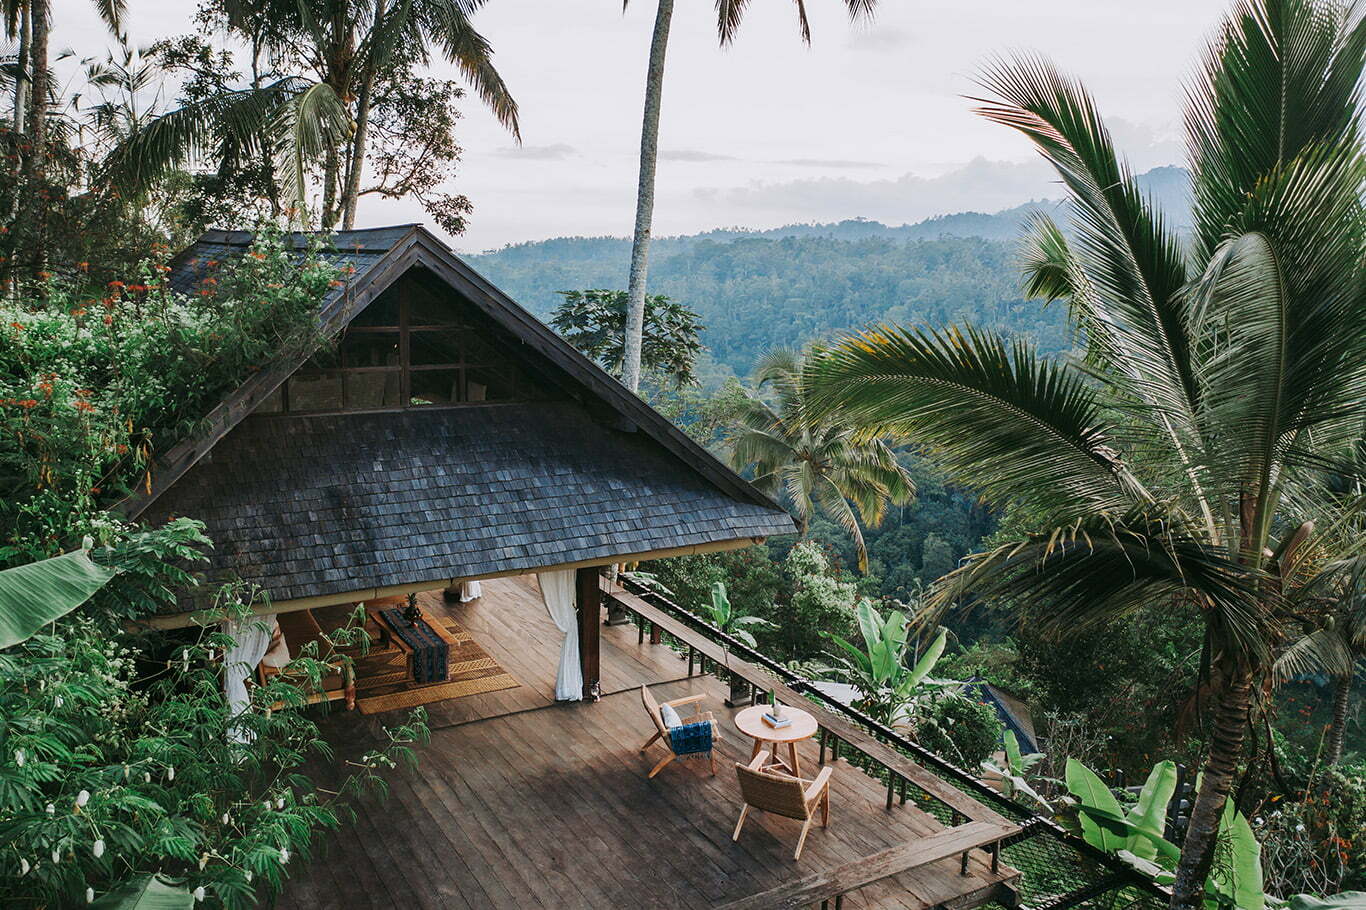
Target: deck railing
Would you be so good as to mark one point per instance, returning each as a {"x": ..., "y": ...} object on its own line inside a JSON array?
[{"x": 1060, "y": 869}]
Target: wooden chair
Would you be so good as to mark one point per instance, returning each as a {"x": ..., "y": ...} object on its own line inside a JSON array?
[
  {"x": 662, "y": 732},
  {"x": 782, "y": 794}
]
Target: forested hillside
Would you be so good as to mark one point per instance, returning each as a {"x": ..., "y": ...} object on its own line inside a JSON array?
[{"x": 792, "y": 284}]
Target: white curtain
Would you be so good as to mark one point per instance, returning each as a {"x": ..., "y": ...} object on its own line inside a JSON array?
[
  {"x": 557, "y": 590},
  {"x": 251, "y": 638},
  {"x": 471, "y": 590}
]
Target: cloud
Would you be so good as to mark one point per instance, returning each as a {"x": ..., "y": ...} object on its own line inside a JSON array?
[
  {"x": 556, "y": 152},
  {"x": 694, "y": 155},
  {"x": 834, "y": 163},
  {"x": 980, "y": 185}
]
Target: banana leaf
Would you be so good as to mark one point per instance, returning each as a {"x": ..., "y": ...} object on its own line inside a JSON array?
[
  {"x": 1102, "y": 821},
  {"x": 1240, "y": 880},
  {"x": 147, "y": 892},
  {"x": 926, "y": 663},
  {"x": 33, "y": 595},
  {"x": 1149, "y": 815}
]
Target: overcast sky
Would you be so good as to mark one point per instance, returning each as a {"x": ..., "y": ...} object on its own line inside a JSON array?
[{"x": 869, "y": 121}]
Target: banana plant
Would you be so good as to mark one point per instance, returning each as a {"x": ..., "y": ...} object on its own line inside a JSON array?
[
  {"x": 1013, "y": 773},
  {"x": 729, "y": 620},
  {"x": 1136, "y": 836},
  {"x": 878, "y": 669}
]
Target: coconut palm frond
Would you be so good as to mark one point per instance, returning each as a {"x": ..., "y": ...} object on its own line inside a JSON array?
[
  {"x": 304, "y": 128},
  {"x": 189, "y": 134},
  {"x": 1095, "y": 571},
  {"x": 999, "y": 418},
  {"x": 447, "y": 22},
  {"x": 1280, "y": 76},
  {"x": 1046, "y": 261}
]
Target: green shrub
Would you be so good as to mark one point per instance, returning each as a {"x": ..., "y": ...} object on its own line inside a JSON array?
[
  {"x": 96, "y": 383},
  {"x": 958, "y": 729}
]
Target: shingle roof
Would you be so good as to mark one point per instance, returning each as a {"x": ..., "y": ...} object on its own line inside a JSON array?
[
  {"x": 308, "y": 506},
  {"x": 328, "y": 504}
]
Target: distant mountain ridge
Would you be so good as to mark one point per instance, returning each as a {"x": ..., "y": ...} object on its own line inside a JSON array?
[{"x": 791, "y": 284}]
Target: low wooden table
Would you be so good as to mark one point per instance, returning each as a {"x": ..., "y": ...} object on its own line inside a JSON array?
[
  {"x": 387, "y": 635},
  {"x": 751, "y": 722}
]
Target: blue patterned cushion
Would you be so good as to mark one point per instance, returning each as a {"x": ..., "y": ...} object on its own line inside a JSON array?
[{"x": 690, "y": 739}]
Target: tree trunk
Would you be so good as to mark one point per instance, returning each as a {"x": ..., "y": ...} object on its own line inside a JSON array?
[
  {"x": 1225, "y": 750},
  {"x": 21, "y": 77},
  {"x": 355, "y": 165},
  {"x": 1342, "y": 694},
  {"x": 645, "y": 198},
  {"x": 331, "y": 168},
  {"x": 33, "y": 209}
]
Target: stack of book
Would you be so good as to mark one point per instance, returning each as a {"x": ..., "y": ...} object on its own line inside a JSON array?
[{"x": 776, "y": 722}]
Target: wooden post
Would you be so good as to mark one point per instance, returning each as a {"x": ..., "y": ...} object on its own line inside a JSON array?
[{"x": 590, "y": 626}]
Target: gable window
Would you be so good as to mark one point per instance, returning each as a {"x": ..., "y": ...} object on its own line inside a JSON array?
[{"x": 410, "y": 348}]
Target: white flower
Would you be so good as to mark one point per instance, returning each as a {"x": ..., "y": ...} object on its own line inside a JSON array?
[
  {"x": 203, "y": 861},
  {"x": 226, "y": 818},
  {"x": 199, "y": 893},
  {"x": 97, "y": 848},
  {"x": 90, "y": 895},
  {"x": 51, "y": 809},
  {"x": 146, "y": 777},
  {"x": 57, "y": 702},
  {"x": 24, "y": 867},
  {"x": 170, "y": 773},
  {"x": 82, "y": 798},
  {"x": 1299, "y": 828},
  {"x": 56, "y": 856},
  {"x": 247, "y": 875},
  {"x": 19, "y": 757},
  {"x": 265, "y": 804},
  {"x": 280, "y": 803},
  {"x": 284, "y": 854}
]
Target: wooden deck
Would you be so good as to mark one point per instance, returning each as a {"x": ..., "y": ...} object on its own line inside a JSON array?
[{"x": 522, "y": 803}]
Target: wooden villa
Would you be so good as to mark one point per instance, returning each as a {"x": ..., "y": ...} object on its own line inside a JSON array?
[{"x": 444, "y": 448}]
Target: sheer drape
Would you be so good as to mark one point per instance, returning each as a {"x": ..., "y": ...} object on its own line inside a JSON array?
[
  {"x": 251, "y": 638},
  {"x": 557, "y": 590}
]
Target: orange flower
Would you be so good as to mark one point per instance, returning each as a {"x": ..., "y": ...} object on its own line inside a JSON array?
[
  {"x": 27, "y": 403},
  {"x": 84, "y": 406},
  {"x": 17, "y": 326},
  {"x": 83, "y": 266}
]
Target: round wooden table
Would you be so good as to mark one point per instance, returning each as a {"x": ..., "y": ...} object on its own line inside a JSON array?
[{"x": 751, "y": 722}]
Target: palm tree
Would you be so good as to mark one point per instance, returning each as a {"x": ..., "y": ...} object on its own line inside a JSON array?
[
  {"x": 729, "y": 14},
  {"x": 1336, "y": 645},
  {"x": 819, "y": 464},
  {"x": 31, "y": 22},
  {"x": 323, "y": 114},
  {"x": 1219, "y": 380}
]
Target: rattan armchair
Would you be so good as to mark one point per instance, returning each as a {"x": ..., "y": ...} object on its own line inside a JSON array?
[{"x": 781, "y": 794}]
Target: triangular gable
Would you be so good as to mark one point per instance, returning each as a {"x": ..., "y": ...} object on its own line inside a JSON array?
[{"x": 379, "y": 258}]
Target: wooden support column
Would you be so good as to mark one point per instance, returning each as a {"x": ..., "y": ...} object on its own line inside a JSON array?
[{"x": 590, "y": 629}]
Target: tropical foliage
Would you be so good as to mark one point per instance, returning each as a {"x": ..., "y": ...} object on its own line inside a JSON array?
[
  {"x": 594, "y": 321},
  {"x": 1227, "y": 377},
  {"x": 814, "y": 462}
]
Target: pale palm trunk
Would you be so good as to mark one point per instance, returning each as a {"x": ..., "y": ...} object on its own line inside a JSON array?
[
  {"x": 21, "y": 79},
  {"x": 645, "y": 197},
  {"x": 1202, "y": 832},
  {"x": 355, "y": 165},
  {"x": 32, "y": 214}
]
